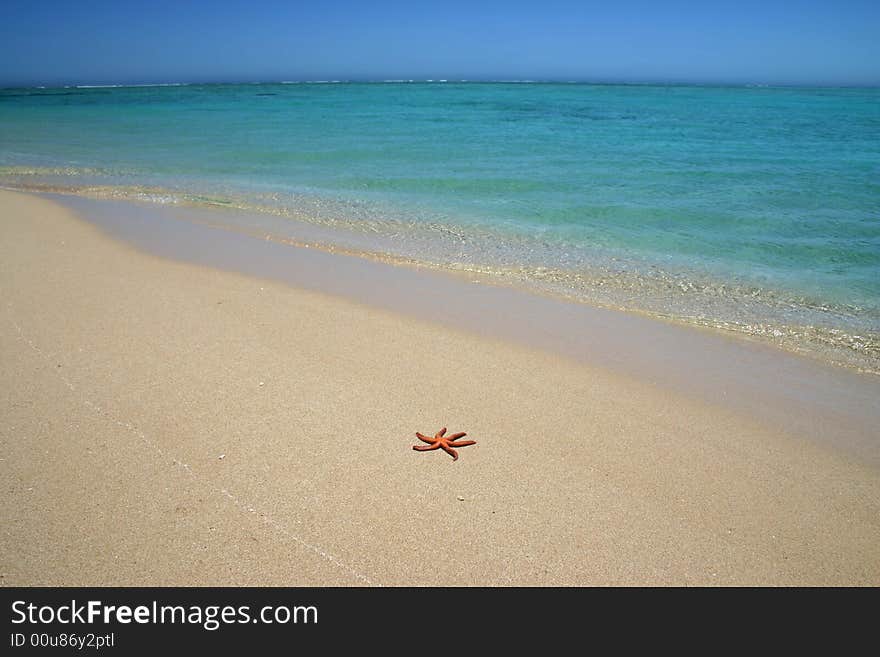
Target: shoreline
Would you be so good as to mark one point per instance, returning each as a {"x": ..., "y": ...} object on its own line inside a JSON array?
[
  {"x": 268, "y": 421},
  {"x": 776, "y": 317}
]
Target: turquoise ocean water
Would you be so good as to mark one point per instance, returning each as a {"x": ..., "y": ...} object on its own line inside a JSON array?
[{"x": 754, "y": 210}]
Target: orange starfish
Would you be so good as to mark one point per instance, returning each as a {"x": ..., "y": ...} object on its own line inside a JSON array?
[{"x": 446, "y": 444}]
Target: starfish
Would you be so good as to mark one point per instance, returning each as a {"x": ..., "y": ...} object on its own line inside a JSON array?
[{"x": 446, "y": 444}]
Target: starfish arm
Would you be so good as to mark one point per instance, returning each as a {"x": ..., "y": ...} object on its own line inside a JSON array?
[
  {"x": 450, "y": 451},
  {"x": 425, "y": 448},
  {"x": 462, "y": 443},
  {"x": 441, "y": 433},
  {"x": 424, "y": 438},
  {"x": 456, "y": 436}
]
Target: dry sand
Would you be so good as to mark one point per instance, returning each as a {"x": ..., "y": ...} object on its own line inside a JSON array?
[{"x": 163, "y": 423}]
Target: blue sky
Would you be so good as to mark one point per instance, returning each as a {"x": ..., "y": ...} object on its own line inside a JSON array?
[{"x": 102, "y": 42}]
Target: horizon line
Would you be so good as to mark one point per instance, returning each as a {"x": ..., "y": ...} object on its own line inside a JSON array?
[{"x": 482, "y": 80}]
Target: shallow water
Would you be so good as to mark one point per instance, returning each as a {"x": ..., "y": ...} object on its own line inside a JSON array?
[{"x": 755, "y": 210}]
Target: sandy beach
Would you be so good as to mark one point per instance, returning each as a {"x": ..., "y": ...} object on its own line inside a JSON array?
[{"x": 169, "y": 423}]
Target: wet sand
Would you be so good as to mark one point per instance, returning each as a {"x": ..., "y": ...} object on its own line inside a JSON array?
[{"x": 172, "y": 423}]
